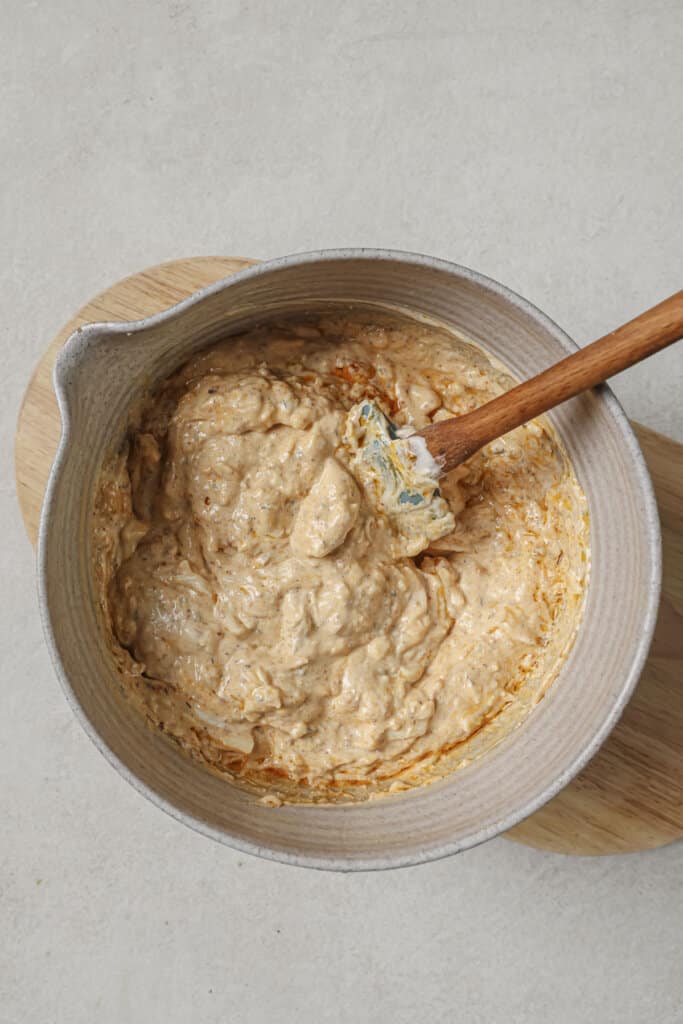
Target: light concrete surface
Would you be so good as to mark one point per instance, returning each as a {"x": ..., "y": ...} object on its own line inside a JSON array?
[{"x": 535, "y": 141}]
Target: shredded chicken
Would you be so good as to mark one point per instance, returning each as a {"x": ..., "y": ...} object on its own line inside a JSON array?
[{"x": 272, "y": 620}]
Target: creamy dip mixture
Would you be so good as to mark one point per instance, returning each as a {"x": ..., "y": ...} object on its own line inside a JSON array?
[{"x": 272, "y": 619}]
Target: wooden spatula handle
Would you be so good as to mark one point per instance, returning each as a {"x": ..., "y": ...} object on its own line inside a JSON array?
[{"x": 453, "y": 441}]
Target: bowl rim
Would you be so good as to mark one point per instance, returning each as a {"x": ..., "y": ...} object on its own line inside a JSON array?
[{"x": 88, "y": 334}]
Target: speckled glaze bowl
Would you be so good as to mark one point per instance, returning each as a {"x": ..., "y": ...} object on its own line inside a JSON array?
[{"x": 104, "y": 367}]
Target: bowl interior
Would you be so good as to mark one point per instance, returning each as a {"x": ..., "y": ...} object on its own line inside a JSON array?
[{"x": 102, "y": 370}]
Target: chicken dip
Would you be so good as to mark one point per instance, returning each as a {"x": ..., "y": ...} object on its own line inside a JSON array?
[{"x": 268, "y": 615}]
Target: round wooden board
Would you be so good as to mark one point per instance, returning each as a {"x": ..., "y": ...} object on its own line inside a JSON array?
[{"x": 630, "y": 796}]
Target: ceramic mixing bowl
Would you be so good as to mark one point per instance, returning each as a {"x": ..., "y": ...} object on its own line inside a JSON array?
[{"x": 104, "y": 367}]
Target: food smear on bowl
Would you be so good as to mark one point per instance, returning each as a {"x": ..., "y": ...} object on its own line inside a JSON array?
[{"x": 267, "y": 614}]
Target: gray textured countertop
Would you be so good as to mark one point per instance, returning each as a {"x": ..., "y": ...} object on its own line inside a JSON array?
[{"x": 539, "y": 144}]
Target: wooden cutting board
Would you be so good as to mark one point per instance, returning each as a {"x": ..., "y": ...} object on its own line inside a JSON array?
[{"x": 630, "y": 796}]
